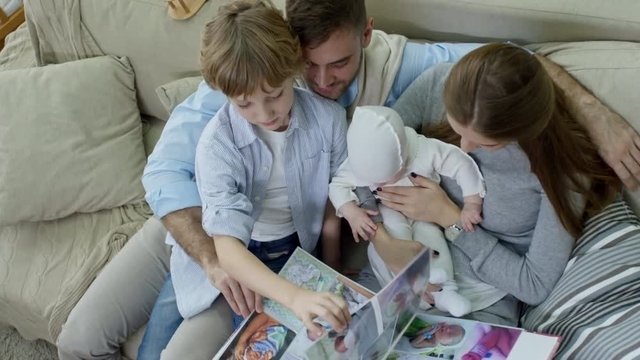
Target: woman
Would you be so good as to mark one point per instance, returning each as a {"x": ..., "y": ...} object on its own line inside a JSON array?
[{"x": 543, "y": 177}]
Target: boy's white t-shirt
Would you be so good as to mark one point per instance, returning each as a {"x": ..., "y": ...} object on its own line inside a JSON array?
[{"x": 275, "y": 220}]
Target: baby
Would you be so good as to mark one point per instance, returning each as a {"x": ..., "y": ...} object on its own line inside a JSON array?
[{"x": 382, "y": 151}]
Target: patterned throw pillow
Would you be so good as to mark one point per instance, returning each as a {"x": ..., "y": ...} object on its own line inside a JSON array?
[{"x": 595, "y": 306}]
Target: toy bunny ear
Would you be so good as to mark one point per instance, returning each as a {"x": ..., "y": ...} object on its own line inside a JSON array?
[{"x": 184, "y": 9}]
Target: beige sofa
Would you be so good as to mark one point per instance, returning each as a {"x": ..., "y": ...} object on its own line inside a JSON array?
[{"x": 48, "y": 257}]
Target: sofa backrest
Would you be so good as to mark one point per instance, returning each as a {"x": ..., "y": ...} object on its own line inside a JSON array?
[
  {"x": 159, "y": 48},
  {"x": 523, "y": 21},
  {"x": 162, "y": 49}
]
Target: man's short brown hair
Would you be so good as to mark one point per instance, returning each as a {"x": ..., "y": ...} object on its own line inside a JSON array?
[
  {"x": 246, "y": 45},
  {"x": 315, "y": 20}
]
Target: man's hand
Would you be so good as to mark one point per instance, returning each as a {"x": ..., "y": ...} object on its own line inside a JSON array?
[
  {"x": 241, "y": 299},
  {"x": 619, "y": 145},
  {"x": 361, "y": 224},
  {"x": 617, "y": 141}
]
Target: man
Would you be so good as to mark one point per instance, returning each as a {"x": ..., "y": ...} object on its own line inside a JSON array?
[{"x": 346, "y": 61}]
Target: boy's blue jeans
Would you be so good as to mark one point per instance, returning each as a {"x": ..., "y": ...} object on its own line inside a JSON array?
[{"x": 165, "y": 317}]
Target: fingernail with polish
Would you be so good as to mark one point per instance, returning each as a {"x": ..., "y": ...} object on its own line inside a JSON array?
[
  {"x": 413, "y": 174},
  {"x": 378, "y": 189},
  {"x": 436, "y": 253},
  {"x": 375, "y": 192}
]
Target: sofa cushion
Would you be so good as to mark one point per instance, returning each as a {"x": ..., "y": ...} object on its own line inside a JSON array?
[
  {"x": 45, "y": 267},
  {"x": 522, "y": 20},
  {"x": 175, "y": 92},
  {"x": 70, "y": 140},
  {"x": 595, "y": 306}
]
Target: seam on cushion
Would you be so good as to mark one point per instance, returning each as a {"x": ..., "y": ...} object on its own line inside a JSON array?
[
  {"x": 577, "y": 69},
  {"x": 549, "y": 12},
  {"x": 151, "y": 2}
]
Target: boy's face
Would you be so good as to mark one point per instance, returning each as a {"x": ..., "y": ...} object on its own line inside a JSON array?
[
  {"x": 332, "y": 65},
  {"x": 267, "y": 107}
]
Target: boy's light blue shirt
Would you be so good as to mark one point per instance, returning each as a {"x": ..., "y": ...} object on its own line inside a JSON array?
[
  {"x": 232, "y": 168},
  {"x": 169, "y": 177}
]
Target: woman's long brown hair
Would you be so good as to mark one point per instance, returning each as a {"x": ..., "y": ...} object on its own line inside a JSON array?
[{"x": 503, "y": 92}]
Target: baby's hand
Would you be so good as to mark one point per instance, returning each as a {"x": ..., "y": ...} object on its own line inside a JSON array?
[
  {"x": 471, "y": 212},
  {"x": 307, "y": 305},
  {"x": 361, "y": 224}
]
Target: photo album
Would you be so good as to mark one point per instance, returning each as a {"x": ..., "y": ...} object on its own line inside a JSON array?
[{"x": 385, "y": 325}]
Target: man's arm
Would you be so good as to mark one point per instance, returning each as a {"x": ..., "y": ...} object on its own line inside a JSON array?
[
  {"x": 168, "y": 177},
  {"x": 171, "y": 191},
  {"x": 186, "y": 225},
  {"x": 618, "y": 143}
]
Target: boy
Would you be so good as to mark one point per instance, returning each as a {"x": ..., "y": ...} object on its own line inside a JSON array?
[{"x": 263, "y": 165}]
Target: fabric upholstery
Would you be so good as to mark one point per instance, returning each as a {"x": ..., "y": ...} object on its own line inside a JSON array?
[
  {"x": 595, "y": 306},
  {"x": 175, "y": 92},
  {"x": 45, "y": 267},
  {"x": 72, "y": 141},
  {"x": 524, "y": 21},
  {"x": 17, "y": 52},
  {"x": 74, "y": 29}
]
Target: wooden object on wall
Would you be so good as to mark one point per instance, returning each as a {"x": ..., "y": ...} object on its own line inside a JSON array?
[{"x": 9, "y": 23}]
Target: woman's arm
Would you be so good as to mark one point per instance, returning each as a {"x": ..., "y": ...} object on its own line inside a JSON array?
[
  {"x": 421, "y": 102},
  {"x": 529, "y": 277}
]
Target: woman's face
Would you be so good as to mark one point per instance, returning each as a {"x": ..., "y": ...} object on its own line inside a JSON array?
[{"x": 471, "y": 139}]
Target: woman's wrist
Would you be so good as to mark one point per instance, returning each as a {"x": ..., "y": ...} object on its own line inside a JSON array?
[{"x": 449, "y": 215}]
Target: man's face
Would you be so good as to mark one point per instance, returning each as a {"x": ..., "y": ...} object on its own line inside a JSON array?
[{"x": 332, "y": 65}]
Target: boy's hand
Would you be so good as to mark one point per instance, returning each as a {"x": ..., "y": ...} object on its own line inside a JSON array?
[
  {"x": 361, "y": 224},
  {"x": 471, "y": 212},
  {"x": 240, "y": 298},
  {"x": 307, "y": 305}
]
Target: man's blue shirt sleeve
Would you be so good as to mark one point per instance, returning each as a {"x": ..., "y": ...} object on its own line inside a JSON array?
[
  {"x": 169, "y": 177},
  {"x": 418, "y": 57}
]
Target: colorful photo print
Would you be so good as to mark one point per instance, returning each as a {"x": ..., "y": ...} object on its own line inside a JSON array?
[
  {"x": 450, "y": 338},
  {"x": 260, "y": 338}
]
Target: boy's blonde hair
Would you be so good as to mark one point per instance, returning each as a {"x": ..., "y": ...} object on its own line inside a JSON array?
[{"x": 246, "y": 45}]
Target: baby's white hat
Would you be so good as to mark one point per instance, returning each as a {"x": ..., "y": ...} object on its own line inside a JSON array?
[{"x": 376, "y": 142}]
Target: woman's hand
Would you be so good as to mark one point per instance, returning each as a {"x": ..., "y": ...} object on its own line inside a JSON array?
[
  {"x": 426, "y": 201},
  {"x": 307, "y": 305}
]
